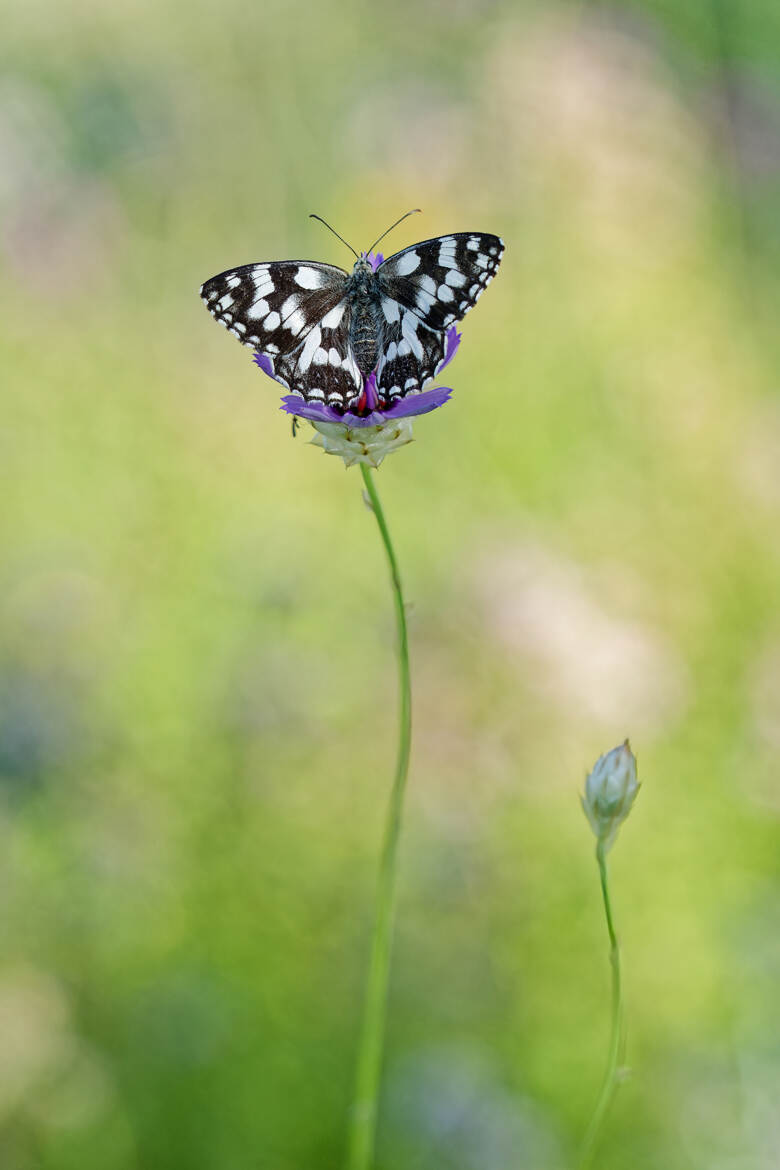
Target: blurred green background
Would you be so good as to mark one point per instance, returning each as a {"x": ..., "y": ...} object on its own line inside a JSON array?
[{"x": 197, "y": 681}]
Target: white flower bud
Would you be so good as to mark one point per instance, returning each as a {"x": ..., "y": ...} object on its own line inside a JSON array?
[
  {"x": 610, "y": 791},
  {"x": 362, "y": 444}
]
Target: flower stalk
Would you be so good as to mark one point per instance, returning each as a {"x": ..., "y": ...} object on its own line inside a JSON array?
[
  {"x": 612, "y": 1078},
  {"x": 362, "y": 1130}
]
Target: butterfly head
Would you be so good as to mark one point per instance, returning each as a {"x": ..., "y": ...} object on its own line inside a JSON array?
[
  {"x": 363, "y": 264},
  {"x": 362, "y": 278}
]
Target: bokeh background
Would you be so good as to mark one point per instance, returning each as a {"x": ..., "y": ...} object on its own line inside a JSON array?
[{"x": 197, "y": 682}]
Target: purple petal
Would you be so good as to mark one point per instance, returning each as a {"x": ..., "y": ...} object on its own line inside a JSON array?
[
  {"x": 421, "y": 403},
  {"x": 316, "y": 411},
  {"x": 265, "y": 364},
  {"x": 369, "y": 389},
  {"x": 453, "y": 341},
  {"x": 414, "y": 404},
  {"x": 374, "y": 260}
]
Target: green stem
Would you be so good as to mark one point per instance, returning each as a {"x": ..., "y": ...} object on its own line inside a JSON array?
[
  {"x": 362, "y": 1129},
  {"x": 611, "y": 1079}
]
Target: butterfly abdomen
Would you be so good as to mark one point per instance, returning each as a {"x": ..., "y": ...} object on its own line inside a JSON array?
[
  {"x": 365, "y": 333},
  {"x": 364, "y": 336}
]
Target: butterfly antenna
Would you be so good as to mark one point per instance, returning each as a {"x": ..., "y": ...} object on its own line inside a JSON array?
[
  {"x": 394, "y": 225},
  {"x": 336, "y": 234}
]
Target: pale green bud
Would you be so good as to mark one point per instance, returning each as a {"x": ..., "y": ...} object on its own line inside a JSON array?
[
  {"x": 610, "y": 791},
  {"x": 362, "y": 444}
]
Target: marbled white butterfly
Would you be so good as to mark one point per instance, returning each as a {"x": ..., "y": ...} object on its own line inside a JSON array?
[{"x": 322, "y": 330}]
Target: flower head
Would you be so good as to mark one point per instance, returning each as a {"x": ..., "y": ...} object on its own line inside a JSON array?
[{"x": 610, "y": 791}]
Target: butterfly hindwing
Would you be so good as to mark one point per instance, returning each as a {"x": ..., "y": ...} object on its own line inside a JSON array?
[
  {"x": 322, "y": 367},
  {"x": 411, "y": 352},
  {"x": 441, "y": 279}
]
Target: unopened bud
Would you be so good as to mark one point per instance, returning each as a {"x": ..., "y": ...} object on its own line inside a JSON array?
[{"x": 610, "y": 791}]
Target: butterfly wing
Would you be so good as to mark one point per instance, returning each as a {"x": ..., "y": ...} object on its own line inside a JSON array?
[
  {"x": 441, "y": 279},
  {"x": 425, "y": 290},
  {"x": 322, "y": 367},
  {"x": 411, "y": 353},
  {"x": 294, "y": 313}
]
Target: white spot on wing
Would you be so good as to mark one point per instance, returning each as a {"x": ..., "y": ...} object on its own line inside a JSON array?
[
  {"x": 308, "y": 277},
  {"x": 263, "y": 281},
  {"x": 350, "y": 365},
  {"x": 391, "y": 310},
  {"x": 272, "y": 321},
  {"x": 257, "y": 310},
  {"x": 409, "y": 331},
  {"x": 408, "y": 263},
  {"x": 292, "y": 318},
  {"x": 332, "y": 320},
  {"x": 455, "y": 278},
  {"x": 310, "y": 346}
]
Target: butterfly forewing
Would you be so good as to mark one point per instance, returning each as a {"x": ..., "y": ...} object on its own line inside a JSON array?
[
  {"x": 441, "y": 279},
  {"x": 272, "y": 307}
]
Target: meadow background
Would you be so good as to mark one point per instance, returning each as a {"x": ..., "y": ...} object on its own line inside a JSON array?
[{"x": 197, "y": 681}]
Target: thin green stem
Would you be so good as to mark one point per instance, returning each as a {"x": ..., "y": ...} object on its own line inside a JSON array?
[
  {"x": 362, "y": 1129},
  {"x": 611, "y": 1076}
]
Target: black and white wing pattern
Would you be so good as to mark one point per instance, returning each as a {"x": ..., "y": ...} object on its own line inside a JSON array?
[
  {"x": 425, "y": 290},
  {"x": 321, "y": 332},
  {"x": 295, "y": 313}
]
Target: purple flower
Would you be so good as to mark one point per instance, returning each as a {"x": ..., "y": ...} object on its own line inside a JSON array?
[{"x": 368, "y": 412}]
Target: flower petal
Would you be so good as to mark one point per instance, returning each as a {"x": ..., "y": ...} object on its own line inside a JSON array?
[
  {"x": 316, "y": 411},
  {"x": 422, "y": 403},
  {"x": 452, "y": 343},
  {"x": 265, "y": 364}
]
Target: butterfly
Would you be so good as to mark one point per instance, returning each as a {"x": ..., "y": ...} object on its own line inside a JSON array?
[{"x": 322, "y": 331}]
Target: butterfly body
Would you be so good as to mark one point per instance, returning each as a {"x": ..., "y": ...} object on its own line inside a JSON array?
[
  {"x": 321, "y": 331},
  {"x": 365, "y": 330}
]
